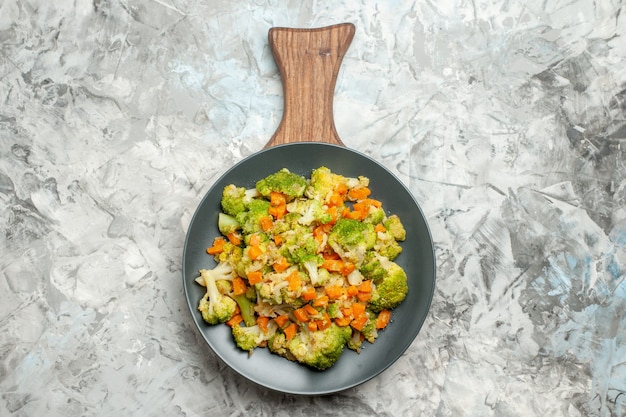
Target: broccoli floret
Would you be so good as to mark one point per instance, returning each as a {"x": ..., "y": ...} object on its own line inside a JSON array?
[
  {"x": 246, "y": 308},
  {"x": 351, "y": 239},
  {"x": 235, "y": 199},
  {"x": 250, "y": 219},
  {"x": 322, "y": 184},
  {"x": 250, "y": 337},
  {"x": 387, "y": 246},
  {"x": 298, "y": 245},
  {"x": 371, "y": 267},
  {"x": 290, "y": 184},
  {"x": 394, "y": 227},
  {"x": 310, "y": 211},
  {"x": 227, "y": 224},
  {"x": 319, "y": 349},
  {"x": 375, "y": 215},
  {"x": 216, "y": 307},
  {"x": 230, "y": 254},
  {"x": 390, "y": 290}
]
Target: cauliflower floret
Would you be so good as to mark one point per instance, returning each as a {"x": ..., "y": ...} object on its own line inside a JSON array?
[{"x": 216, "y": 307}]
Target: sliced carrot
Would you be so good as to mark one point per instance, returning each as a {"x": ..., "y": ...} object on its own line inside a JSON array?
[
  {"x": 341, "y": 188},
  {"x": 359, "y": 193},
  {"x": 342, "y": 322},
  {"x": 335, "y": 199},
  {"x": 218, "y": 246},
  {"x": 278, "y": 240},
  {"x": 332, "y": 210},
  {"x": 239, "y": 286},
  {"x": 281, "y": 320},
  {"x": 346, "y": 311},
  {"x": 364, "y": 296},
  {"x": 358, "y": 309},
  {"x": 266, "y": 223},
  {"x": 281, "y": 264},
  {"x": 321, "y": 301},
  {"x": 255, "y": 240},
  {"x": 312, "y": 325},
  {"x": 324, "y": 322},
  {"x": 234, "y": 320},
  {"x": 277, "y": 198},
  {"x": 301, "y": 315},
  {"x": 333, "y": 265},
  {"x": 294, "y": 281},
  {"x": 254, "y": 252},
  {"x": 383, "y": 319},
  {"x": 333, "y": 291},
  {"x": 330, "y": 255},
  {"x": 352, "y": 290},
  {"x": 278, "y": 211},
  {"x": 234, "y": 238},
  {"x": 290, "y": 331},
  {"x": 375, "y": 203},
  {"x": 347, "y": 268},
  {"x": 365, "y": 286},
  {"x": 379, "y": 228},
  {"x": 254, "y": 277},
  {"x": 263, "y": 322},
  {"x": 359, "y": 322},
  {"x": 309, "y": 294},
  {"x": 311, "y": 311}
]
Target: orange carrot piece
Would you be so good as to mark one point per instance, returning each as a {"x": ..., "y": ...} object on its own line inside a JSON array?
[
  {"x": 254, "y": 252},
  {"x": 347, "y": 268},
  {"x": 218, "y": 246},
  {"x": 266, "y": 223},
  {"x": 239, "y": 286},
  {"x": 375, "y": 203},
  {"x": 379, "y": 228},
  {"x": 278, "y": 211},
  {"x": 332, "y": 210},
  {"x": 294, "y": 281},
  {"x": 263, "y": 322},
  {"x": 359, "y": 322},
  {"x": 342, "y": 322},
  {"x": 346, "y": 311},
  {"x": 359, "y": 193},
  {"x": 281, "y": 264},
  {"x": 254, "y": 277},
  {"x": 234, "y": 238},
  {"x": 309, "y": 294},
  {"x": 311, "y": 311},
  {"x": 290, "y": 331},
  {"x": 301, "y": 315},
  {"x": 255, "y": 240},
  {"x": 335, "y": 200},
  {"x": 352, "y": 290},
  {"x": 277, "y": 198},
  {"x": 333, "y": 291},
  {"x": 330, "y": 255},
  {"x": 358, "y": 309},
  {"x": 332, "y": 265},
  {"x": 341, "y": 188},
  {"x": 383, "y": 319},
  {"x": 281, "y": 320},
  {"x": 321, "y": 301},
  {"x": 234, "y": 320},
  {"x": 364, "y": 296},
  {"x": 278, "y": 240},
  {"x": 312, "y": 325},
  {"x": 365, "y": 286}
]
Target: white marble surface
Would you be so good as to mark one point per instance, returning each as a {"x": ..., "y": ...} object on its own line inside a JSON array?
[{"x": 506, "y": 119}]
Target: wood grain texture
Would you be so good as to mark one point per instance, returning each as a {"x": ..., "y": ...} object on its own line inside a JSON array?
[{"x": 309, "y": 61}]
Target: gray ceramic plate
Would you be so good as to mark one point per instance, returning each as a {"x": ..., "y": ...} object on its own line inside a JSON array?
[{"x": 417, "y": 258}]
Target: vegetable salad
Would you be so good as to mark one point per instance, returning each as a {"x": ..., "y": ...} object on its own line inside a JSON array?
[{"x": 305, "y": 266}]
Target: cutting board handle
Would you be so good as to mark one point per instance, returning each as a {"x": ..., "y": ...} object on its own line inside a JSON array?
[{"x": 309, "y": 61}]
